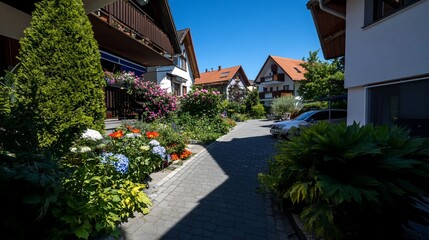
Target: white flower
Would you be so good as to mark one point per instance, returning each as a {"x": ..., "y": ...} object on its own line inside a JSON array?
[
  {"x": 84, "y": 149},
  {"x": 154, "y": 143},
  {"x": 91, "y": 134},
  {"x": 130, "y": 135},
  {"x": 73, "y": 150}
]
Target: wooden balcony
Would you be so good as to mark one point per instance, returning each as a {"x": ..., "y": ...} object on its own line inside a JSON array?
[
  {"x": 275, "y": 94},
  {"x": 123, "y": 29},
  {"x": 280, "y": 77}
]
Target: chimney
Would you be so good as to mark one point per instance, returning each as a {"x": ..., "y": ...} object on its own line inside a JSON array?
[
  {"x": 212, "y": 70},
  {"x": 219, "y": 68},
  {"x": 206, "y": 70}
]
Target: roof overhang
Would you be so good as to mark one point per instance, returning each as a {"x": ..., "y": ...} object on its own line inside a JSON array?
[
  {"x": 28, "y": 5},
  {"x": 330, "y": 27},
  {"x": 119, "y": 43}
]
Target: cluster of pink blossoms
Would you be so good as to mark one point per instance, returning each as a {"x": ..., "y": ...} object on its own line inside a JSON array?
[{"x": 156, "y": 102}]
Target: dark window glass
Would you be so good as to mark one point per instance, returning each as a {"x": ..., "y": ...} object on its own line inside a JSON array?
[
  {"x": 384, "y": 8},
  {"x": 401, "y": 104}
]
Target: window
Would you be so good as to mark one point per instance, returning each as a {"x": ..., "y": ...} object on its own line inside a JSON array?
[
  {"x": 285, "y": 87},
  {"x": 185, "y": 90},
  {"x": 378, "y": 9},
  {"x": 224, "y": 74},
  {"x": 265, "y": 89},
  {"x": 175, "y": 88},
  {"x": 401, "y": 104},
  {"x": 180, "y": 62},
  {"x": 271, "y": 89}
]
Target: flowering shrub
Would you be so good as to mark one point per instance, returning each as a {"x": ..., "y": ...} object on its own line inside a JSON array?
[
  {"x": 126, "y": 79},
  {"x": 145, "y": 154},
  {"x": 155, "y": 101},
  {"x": 201, "y": 103},
  {"x": 98, "y": 192}
]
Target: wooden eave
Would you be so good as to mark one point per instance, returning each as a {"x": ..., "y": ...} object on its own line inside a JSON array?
[
  {"x": 189, "y": 47},
  {"x": 121, "y": 44},
  {"x": 330, "y": 28}
]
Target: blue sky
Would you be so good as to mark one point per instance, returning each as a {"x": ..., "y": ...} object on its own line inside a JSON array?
[{"x": 245, "y": 32}]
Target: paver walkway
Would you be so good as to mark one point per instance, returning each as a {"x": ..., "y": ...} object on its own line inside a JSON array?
[{"x": 214, "y": 195}]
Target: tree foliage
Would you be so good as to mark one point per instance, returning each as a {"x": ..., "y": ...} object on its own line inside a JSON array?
[
  {"x": 282, "y": 105},
  {"x": 59, "y": 84},
  {"x": 323, "y": 78}
]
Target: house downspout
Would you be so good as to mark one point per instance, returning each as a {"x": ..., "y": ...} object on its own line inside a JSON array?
[{"x": 330, "y": 11}]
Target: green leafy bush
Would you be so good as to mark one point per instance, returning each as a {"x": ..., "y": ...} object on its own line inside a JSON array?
[
  {"x": 352, "y": 182},
  {"x": 96, "y": 199},
  {"x": 59, "y": 83},
  {"x": 101, "y": 189},
  {"x": 204, "y": 129},
  {"x": 283, "y": 105},
  {"x": 30, "y": 185},
  {"x": 258, "y": 111}
]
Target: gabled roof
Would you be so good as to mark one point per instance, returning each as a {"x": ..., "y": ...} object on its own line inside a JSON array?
[
  {"x": 185, "y": 38},
  {"x": 222, "y": 76},
  {"x": 291, "y": 67}
]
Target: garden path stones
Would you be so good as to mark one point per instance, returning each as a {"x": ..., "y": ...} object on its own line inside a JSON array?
[{"x": 214, "y": 194}]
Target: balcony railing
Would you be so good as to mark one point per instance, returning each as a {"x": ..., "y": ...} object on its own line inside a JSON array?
[
  {"x": 276, "y": 77},
  {"x": 275, "y": 94},
  {"x": 127, "y": 18}
]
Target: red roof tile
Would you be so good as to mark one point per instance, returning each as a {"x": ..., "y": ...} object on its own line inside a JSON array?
[
  {"x": 217, "y": 76},
  {"x": 291, "y": 67}
]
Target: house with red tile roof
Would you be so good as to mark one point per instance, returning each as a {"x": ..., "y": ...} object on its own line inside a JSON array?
[
  {"x": 222, "y": 78},
  {"x": 279, "y": 77}
]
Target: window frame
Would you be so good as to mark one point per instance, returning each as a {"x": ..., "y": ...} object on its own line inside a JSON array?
[{"x": 374, "y": 10}]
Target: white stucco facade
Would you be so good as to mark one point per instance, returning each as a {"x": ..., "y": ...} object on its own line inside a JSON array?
[
  {"x": 167, "y": 76},
  {"x": 389, "y": 50},
  {"x": 271, "y": 87}
]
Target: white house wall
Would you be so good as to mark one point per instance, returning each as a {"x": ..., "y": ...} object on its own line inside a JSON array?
[
  {"x": 356, "y": 105},
  {"x": 392, "y": 48}
]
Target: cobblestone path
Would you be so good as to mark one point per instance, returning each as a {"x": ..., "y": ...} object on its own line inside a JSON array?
[{"x": 214, "y": 194}]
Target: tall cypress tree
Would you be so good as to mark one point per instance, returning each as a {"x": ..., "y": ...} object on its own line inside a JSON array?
[{"x": 59, "y": 84}]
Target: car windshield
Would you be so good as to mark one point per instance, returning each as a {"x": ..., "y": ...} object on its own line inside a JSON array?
[{"x": 304, "y": 116}]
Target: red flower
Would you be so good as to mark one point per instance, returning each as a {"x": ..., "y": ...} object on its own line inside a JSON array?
[
  {"x": 117, "y": 134},
  {"x": 152, "y": 134},
  {"x": 135, "y": 130}
]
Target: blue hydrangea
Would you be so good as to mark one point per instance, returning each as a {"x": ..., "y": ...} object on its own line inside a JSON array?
[
  {"x": 160, "y": 151},
  {"x": 120, "y": 161}
]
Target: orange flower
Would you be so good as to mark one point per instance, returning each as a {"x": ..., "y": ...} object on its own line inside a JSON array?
[
  {"x": 129, "y": 127},
  {"x": 185, "y": 154},
  {"x": 117, "y": 134},
  {"x": 135, "y": 130},
  {"x": 152, "y": 134},
  {"x": 174, "y": 157}
]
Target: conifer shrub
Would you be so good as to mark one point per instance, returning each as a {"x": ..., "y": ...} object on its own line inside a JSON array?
[
  {"x": 59, "y": 84},
  {"x": 352, "y": 182}
]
